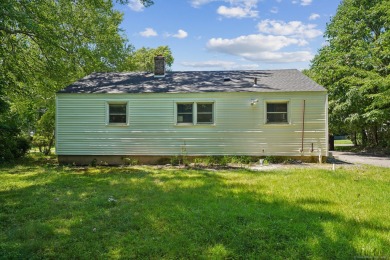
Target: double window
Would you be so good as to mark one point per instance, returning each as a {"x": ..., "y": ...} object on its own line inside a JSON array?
[
  {"x": 195, "y": 113},
  {"x": 117, "y": 113},
  {"x": 277, "y": 112}
]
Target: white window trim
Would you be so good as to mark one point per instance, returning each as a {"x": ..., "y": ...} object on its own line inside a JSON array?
[
  {"x": 113, "y": 102},
  {"x": 194, "y": 103},
  {"x": 193, "y": 113},
  {"x": 196, "y": 113},
  {"x": 275, "y": 101}
]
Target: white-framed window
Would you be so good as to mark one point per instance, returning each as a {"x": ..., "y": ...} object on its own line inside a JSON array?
[
  {"x": 185, "y": 113},
  {"x": 277, "y": 112},
  {"x": 117, "y": 113},
  {"x": 194, "y": 113},
  {"x": 204, "y": 113}
]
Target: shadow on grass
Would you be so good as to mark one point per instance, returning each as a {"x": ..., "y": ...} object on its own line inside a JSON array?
[{"x": 92, "y": 213}]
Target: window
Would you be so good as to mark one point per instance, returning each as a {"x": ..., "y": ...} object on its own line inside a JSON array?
[
  {"x": 184, "y": 113},
  {"x": 117, "y": 113},
  {"x": 204, "y": 113},
  {"x": 195, "y": 113},
  {"x": 277, "y": 113}
]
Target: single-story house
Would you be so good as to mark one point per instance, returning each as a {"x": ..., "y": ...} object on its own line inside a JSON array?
[{"x": 148, "y": 116}]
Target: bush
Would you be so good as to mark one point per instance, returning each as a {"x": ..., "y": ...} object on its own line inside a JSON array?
[
  {"x": 13, "y": 147},
  {"x": 130, "y": 161},
  {"x": 44, "y": 138},
  {"x": 43, "y": 143},
  {"x": 12, "y": 144},
  {"x": 273, "y": 159}
]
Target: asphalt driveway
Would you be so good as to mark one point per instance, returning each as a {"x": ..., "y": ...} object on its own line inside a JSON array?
[{"x": 361, "y": 158}]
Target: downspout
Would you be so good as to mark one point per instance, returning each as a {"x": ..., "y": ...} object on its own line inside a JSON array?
[{"x": 303, "y": 123}]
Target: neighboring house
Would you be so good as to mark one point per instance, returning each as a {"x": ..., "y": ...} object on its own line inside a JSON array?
[{"x": 111, "y": 116}]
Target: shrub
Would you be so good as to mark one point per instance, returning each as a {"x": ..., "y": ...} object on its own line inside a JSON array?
[
  {"x": 43, "y": 143},
  {"x": 12, "y": 144},
  {"x": 44, "y": 138},
  {"x": 273, "y": 159},
  {"x": 175, "y": 160},
  {"x": 130, "y": 161}
]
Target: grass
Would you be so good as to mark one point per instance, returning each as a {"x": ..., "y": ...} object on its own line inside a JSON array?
[
  {"x": 337, "y": 142},
  {"x": 49, "y": 211}
]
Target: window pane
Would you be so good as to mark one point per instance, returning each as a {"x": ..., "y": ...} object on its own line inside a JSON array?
[
  {"x": 117, "y": 113},
  {"x": 277, "y": 118},
  {"x": 184, "y": 108},
  {"x": 205, "y": 118},
  {"x": 184, "y": 118},
  {"x": 184, "y": 113},
  {"x": 205, "y": 108},
  {"x": 205, "y": 113},
  {"x": 117, "y": 118},
  {"x": 117, "y": 109},
  {"x": 277, "y": 107}
]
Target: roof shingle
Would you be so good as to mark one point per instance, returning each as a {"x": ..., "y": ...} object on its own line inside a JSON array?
[{"x": 195, "y": 82}]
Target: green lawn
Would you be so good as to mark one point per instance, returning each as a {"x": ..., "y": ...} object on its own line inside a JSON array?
[
  {"x": 58, "y": 212},
  {"x": 336, "y": 142}
]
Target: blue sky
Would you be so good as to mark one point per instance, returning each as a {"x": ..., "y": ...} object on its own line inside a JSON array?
[{"x": 231, "y": 34}]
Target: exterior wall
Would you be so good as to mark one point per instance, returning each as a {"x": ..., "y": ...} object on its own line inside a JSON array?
[{"x": 239, "y": 127}]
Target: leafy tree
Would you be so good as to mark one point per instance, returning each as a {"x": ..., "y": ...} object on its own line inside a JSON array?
[
  {"x": 143, "y": 59},
  {"x": 44, "y": 135},
  {"x": 44, "y": 46},
  {"x": 354, "y": 67}
]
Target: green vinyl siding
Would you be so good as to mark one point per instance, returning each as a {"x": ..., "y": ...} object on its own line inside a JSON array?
[{"x": 238, "y": 128}]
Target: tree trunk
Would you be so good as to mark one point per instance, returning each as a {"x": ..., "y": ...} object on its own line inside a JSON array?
[
  {"x": 364, "y": 137},
  {"x": 354, "y": 138},
  {"x": 376, "y": 139},
  {"x": 331, "y": 142}
]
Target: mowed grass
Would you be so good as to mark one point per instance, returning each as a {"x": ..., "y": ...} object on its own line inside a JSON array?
[
  {"x": 57, "y": 212},
  {"x": 349, "y": 142}
]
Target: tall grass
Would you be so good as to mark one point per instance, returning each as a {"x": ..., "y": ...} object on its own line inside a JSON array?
[{"x": 50, "y": 211}]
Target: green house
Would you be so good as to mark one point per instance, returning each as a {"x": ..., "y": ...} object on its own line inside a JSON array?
[{"x": 148, "y": 116}]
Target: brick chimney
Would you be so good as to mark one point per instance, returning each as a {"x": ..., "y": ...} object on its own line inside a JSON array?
[{"x": 159, "y": 66}]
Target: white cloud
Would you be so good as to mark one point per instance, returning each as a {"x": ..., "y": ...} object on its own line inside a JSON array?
[
  {"x": 306, "y": 2},
  {"x": 236, "y": 12},
  {"x": 209, "y": 64},
  {"x": 148, "y": 32},
  {"x": 236, "y": 8},
  {"x": 274, "y": 10},
  {"x": 258, "y": 47},
  {"x": 281, "y": 57},
  {"x": 181, "y": 34},
  {"x": 198, "y": 3},
  {"x": 302, "y": 2},
  {"x": 219, "y": 64},
  {"x": 136, "y": 5},
  {"x": 314, "y": 16},
  {"x": 250, "y": 43},
  {"x": 294, "y": 29}
]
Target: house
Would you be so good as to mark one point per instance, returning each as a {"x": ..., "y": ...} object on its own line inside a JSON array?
[{"x": 148, "y": 116}]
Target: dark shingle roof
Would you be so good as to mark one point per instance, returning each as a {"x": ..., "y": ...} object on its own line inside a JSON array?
[{"x": 194, "y": 82}]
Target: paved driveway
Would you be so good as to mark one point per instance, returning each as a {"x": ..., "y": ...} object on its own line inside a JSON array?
[{"x": 360, "y": 158}]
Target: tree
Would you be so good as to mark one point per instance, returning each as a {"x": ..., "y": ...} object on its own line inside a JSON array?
[
  {"x": 143, "y": 59},
  {"x": 354, "y": 67},
  {"x": 45, "y": 45}
]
